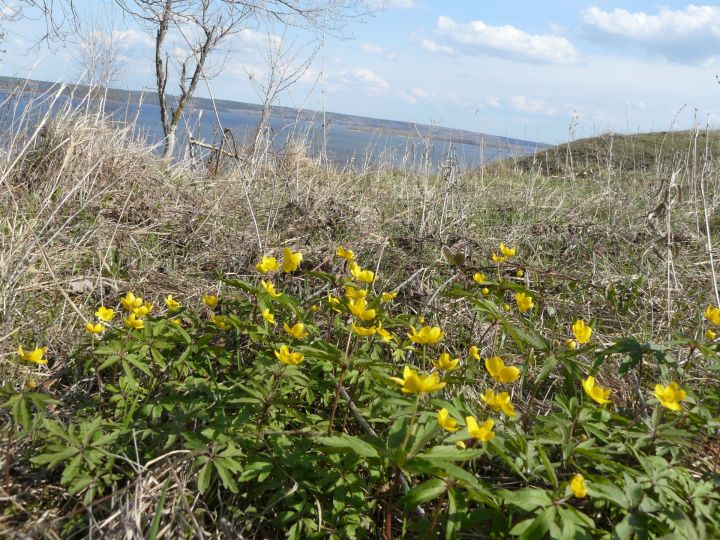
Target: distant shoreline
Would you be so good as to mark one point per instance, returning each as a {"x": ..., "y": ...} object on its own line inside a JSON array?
[{"x": 350, "y": 122}]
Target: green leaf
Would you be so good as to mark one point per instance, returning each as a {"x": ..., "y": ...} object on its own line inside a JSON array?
[
  {"x": 425, "y": 492},
  {"x": 527, "y": 499},
  {"x": 526, "y": 336},
  {"x": 456, "y": 510},
  {"x": 451, "y": 453},
  {"x": 539, "y": 526},
  {"x": 204, "y": 477},
  {"x": 349, "y": 443},
  {"x": 550, "y": 363},
  {"x": 155, "y": 525}
]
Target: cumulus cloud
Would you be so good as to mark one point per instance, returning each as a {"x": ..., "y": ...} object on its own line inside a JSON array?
[
  {"x": 534, "y": 106},
  {"x": 683, "y": 35},
  {"x": 477, "y": 37}
]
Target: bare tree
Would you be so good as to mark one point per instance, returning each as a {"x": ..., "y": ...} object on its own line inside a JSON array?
[
  {"x": 100, "y": 63},
  {"x": 203, "y": 25},
  {"x": 287, "y": 62},
  {"x": 60, "y": 16}
]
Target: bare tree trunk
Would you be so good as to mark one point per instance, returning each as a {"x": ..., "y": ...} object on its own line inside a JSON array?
[{"x": 161, "y": 73}]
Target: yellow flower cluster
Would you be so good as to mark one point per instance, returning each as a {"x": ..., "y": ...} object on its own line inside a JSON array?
[{"x": 136, "y": 308}]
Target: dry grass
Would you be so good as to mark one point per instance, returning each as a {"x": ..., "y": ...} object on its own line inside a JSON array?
[{"x": 90, "y": 211}]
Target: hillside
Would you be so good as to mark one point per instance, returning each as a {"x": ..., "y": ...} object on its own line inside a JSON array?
[
  {"x": 276, "y": 348},
  {"x": 635, "y": 152}
]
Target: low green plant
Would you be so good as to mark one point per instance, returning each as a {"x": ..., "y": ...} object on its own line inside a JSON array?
[{"x": 313, "y": 404}]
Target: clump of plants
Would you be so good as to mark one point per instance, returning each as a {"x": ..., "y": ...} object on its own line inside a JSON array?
[{"x": 321, "y": 404}]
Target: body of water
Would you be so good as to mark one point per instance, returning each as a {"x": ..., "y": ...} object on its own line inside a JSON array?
[{"x": 342, "y": 142}]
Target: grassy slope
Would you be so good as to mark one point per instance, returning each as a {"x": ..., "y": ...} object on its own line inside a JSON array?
[{"x": 93, "y": 214}]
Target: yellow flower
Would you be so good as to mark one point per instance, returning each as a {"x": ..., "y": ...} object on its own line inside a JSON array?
[
  {"x": 474, "y": 352},
  {"x": 96, "y": 328},
  {"x": 412, "y": 383},
  {"x": 597, "y": 393},
  {"x": 133, "y": 322},
  {"x": 176, "y": 322},
  {"x": 519, "y": 272},
  {"x": 712, "y": 314},
  {"x": 388, "y": 296},
  {"x": 384, "y": 334},
  {"x": 499, "y": 371},
  {"x": 670, "y": 396},
  {"x": 524, "y": 302},
  {"x": 363, "y": 276},
  {"x": 362, "y": 331},
  {"x": 314, "y": 308},
  {"x": 36, "y": 357},
  {"x": 210, "y": 300},
  {"x": 507, "y": 251},
  {"x": 171, "y": 303},
  {"x": 346, "y": 254},
  {"x": 355, "y": 294},
  {"x": 105, "y": 314},
  {"x": 581, "y": 331},
  {"x": 428, "y": 335},
  {"x": 130, "y": 302},
  {"x": 498, "y": 258},
  {"x": 143, "y": 310},
  {"x": 445, "y": 363},
  {"x": 359, "y": 310},
  {"x": 291, "y": 260},
  {"x": 578, "y": 486},
  {"x": 447, "y": 423},
  {"x": 287, "y": 357},
  {"x": 506, "y": 307},
  {"x": 571, "y": 344},
  {"x": 334, "y": 302},
  {"x": 297, "y": 330},
  {"x": 220, "y": 321},
  {"x": 269, "y": 288},
  {"x": 485, "y": 290},
  {"x": 498, "y": 402},
  {"x": 709, "y": 334},
  {"x": 460, "y": 445},
  {"x": 482, "y": 433},
  {"x": 269, "y": 317},
  {"x": 267, "y": 265},
  {"x": 478, "y": 277}
]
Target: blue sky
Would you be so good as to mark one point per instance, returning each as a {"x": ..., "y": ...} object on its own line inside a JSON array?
[{"x": 537, "y": 70}]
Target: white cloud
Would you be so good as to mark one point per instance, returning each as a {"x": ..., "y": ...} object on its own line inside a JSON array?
[
  {"x": 244, "y": 71},
  {"x": 372, "y": 83},
  {"x": 505, "y": 41},
  {"x": 393, "y": 4},
  {"x": 250, "y": 38},
  {"x": 432, "y": 46},
  {"x": 372, "y": 48},
  {"x": 121, "y": 39},
  {"x": 684, "y": 35},
  {"x": 536, "y": 106},
  {"x": 129, "y": 38}
]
